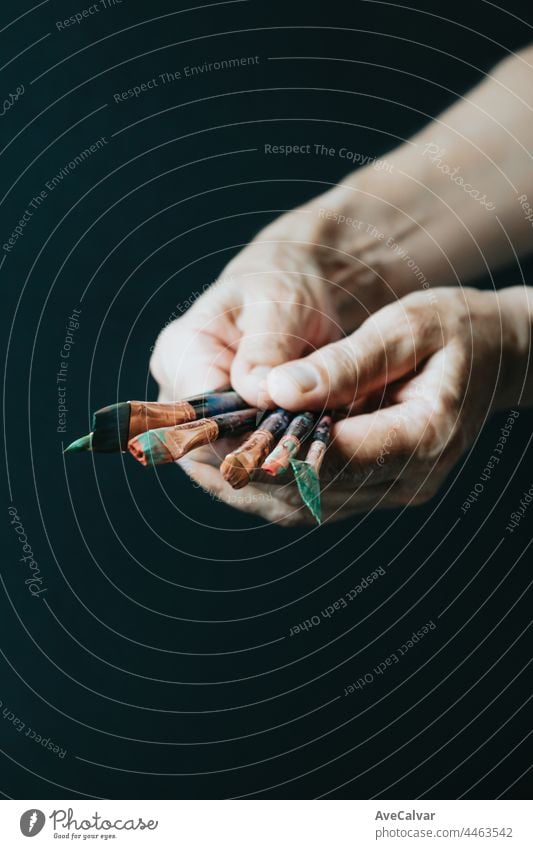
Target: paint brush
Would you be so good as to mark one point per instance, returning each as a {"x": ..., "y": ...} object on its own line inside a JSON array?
[
  {"x": 279, "y": 460},
  {"x": 238, "y": 466},
  {"x": 115, "y": 425},
  {"x": 167, "y": 444},
  {"x": 307, "y": 471},
  {"x": 84, "y": 443}
]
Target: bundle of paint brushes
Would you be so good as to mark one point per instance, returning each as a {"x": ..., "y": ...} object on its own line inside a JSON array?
[{"x": 163, "y": 433}]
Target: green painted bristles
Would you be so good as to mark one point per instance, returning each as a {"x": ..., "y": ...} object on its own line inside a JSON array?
[
  {"x": 306, "y": 471},
  {"x": 113, "y": 426},
  {"x": 110, "y": 431},
  {"x": 308, "y": 487},
  {"x": 84, "y": 443}
]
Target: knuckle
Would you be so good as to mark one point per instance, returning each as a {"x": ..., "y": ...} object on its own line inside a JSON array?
[
  {"x": 339, "y": 363},
  {"x": 414, "y": 321},
  {"x": 413, "y": 304}
]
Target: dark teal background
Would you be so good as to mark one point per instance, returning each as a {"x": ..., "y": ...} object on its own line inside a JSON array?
[{"x": 159, "y": 656}]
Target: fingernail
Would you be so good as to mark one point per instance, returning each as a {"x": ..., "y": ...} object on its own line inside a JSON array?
[{"x": 303, "y": 377}]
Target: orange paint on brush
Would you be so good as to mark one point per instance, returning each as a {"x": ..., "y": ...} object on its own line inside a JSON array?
[
  {"x": 146, "y": 415},
  {"x": 168, "y": 444},
  {"x": 238, "y": 466}
]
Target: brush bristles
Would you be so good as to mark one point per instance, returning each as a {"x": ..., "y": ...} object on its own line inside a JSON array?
[
  {"x": 149, "y": 449},
  {"x": 84, "y": 443},
  {"x": 111, "y": 428},
  {"x": 308, "y": 487}
]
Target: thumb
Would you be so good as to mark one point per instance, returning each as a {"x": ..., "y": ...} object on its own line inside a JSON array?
[
  {"x": 272, "y": 333},
  {"x": 387, "y": 346}
]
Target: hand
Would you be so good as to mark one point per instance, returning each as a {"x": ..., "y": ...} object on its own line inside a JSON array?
[
  {"x": 301, "y": 283},
  {"x": 383, "y": 232},
  {"x": 271, "y": 303},
  {"x": 304, "y": 280},
  {"x": 424, "y": 373}
]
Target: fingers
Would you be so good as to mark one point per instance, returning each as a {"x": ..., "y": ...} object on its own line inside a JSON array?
[
  {"x": 414, "y": 442},
  {"x": 273, "y": 331},
  {"x": 283, "y": 505},
  {"x": 386, "y": 347},
  {"x": 242, "y": 330},
  {"x": 263, "y": 501},
  {"x": 189, "y": 359},
  {"x": 377, "y": 446}
]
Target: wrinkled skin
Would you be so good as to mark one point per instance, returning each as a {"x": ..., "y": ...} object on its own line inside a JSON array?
[
  {"x": 421, "y": 371},
  {"x": 420, "y": 374}
]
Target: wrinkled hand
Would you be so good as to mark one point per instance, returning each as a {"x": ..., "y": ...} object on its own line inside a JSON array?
[
  {"x": 303, "y": 281},
  {"x": 428, "y": 370},
  {"x": 421, "y": 376},
  {"x": 272, "y": 303}
]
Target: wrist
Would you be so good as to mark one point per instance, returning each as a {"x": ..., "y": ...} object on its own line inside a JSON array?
[{"x": 373, "y": 229}]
